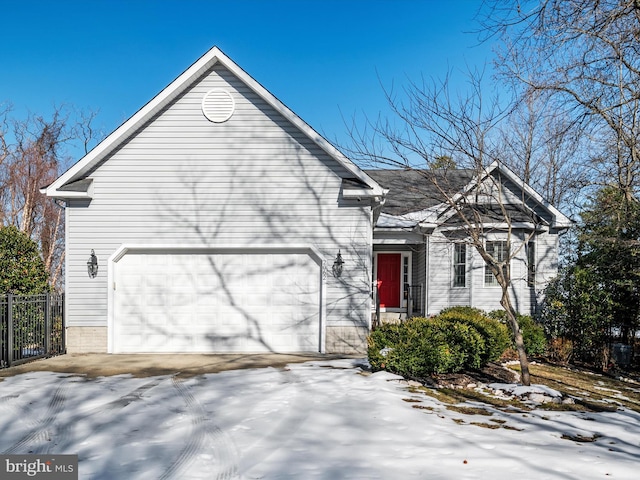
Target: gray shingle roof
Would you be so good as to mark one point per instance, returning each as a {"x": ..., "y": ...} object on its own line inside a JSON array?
[{"x": 413, "y": 190}]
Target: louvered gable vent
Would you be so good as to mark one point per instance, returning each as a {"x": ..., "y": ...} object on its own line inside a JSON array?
[{"x": 218, "y": 105}]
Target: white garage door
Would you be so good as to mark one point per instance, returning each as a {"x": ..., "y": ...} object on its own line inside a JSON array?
[{"x": 174, "y": 302}]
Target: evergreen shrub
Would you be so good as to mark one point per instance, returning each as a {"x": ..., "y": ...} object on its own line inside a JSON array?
[
  {"x": 455, "y": 340},
  {"x": 535, "y": 341},
  {"x": 495, "y": 333}
]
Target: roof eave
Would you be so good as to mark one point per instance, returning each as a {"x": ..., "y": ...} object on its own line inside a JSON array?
[
  {"x": 209, "y": 59},
  {"x": 120, "y": 134},
  {"x": 560, "y": 220},
  {"x": 359, "y": 193}
]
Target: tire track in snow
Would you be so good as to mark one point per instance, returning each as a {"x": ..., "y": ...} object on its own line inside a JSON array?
[
  {"x": 202, "y": 430},
  {"x": 8, "y": 398},
  {"x": 41, "y": 433},
  {"x": 104, "y": 415},
  {"x": 131, "y": 397},
  {"x": 20, "y": 408}
]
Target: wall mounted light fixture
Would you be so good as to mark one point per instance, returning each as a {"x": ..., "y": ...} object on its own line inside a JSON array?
[
  {"x": 337, "y": 265},
  {"x": 92, "y": 265}
]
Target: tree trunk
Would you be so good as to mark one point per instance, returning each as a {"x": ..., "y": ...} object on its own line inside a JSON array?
[{"x": 517, "y": 336}]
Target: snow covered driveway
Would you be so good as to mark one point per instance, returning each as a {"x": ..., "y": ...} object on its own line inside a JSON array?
[{"x": 316, "y": 420}]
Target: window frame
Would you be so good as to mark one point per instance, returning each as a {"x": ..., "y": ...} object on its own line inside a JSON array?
[
  {"x": 490, "y": 279},
  {"x": 459, "y": 267},
  {"x": 531, "y": 263}
]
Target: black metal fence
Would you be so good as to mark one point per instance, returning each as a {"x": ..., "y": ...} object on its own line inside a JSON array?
[
  {"x": 31, "y": 327},
  {"x": 415, "y": 300}
]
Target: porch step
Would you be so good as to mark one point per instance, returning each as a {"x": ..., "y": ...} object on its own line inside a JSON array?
[{"x": 390, "y": 317}]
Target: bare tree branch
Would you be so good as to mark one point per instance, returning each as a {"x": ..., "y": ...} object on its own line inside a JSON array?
[
  {"x": 32, "y": 156},
  {"x": 435, "y": 126}
]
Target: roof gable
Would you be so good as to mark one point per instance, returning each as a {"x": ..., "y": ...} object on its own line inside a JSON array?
[
  {"x": 412, "y": 194},
  {"x": 533, "y": 199},
  {"x": 213, "y": 57}
]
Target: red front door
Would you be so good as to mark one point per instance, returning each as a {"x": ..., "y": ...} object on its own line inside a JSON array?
[{"x": 389, "y": 279}]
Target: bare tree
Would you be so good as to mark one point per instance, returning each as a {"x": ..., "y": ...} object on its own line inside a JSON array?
[
  {"x": 431, "y": 124},
  {"x": 4, "y": 152},
  {"x": 32, "y": 156},
  {"x": 542, "y": 146},
  {"x": 585, "y": 55}
]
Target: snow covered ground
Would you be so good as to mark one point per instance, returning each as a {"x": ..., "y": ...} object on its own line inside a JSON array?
[{"x": 316, "y": 420}]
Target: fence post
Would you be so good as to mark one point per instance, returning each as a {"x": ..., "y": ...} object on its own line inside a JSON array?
[
  {"x": 47, "y": 324},
  {"x": 10, "y": 350},
  {"x": 63, "y": 326}
]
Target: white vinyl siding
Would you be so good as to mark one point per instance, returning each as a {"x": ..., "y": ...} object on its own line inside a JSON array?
[
  {"x": 253, "y": 180},
  {"x": 546, "y": 258},
  {"x": 443, "y": 294}
]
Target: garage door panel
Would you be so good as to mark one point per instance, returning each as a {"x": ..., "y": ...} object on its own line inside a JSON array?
[
  {"x": 130, "y": 341},
  {"x": 180, "y": 321},
  {"x": 257, "y": 300},
  {"x": 216, "y": 303}
]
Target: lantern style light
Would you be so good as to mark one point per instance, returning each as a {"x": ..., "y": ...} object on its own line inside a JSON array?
[
  {"x": 92, "y": 265},
  {"x": 337, "y": 265}
]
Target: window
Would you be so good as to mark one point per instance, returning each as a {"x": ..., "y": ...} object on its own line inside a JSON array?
[
  {"x": 405, "y": 276},
  {"x": 460, "y": 265},
  {"x": 531, "y": 264},
  {"x": 498, "y": 250}
]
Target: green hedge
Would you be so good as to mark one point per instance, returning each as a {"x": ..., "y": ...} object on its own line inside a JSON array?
[
  {"x": 496, "y": 334},
  {"x": 417, "y": 348},
  {"x": 453, "y": 341}
]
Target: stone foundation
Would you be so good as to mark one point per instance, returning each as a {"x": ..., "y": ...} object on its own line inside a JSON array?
[
  {"x": 86, "y": 339},
  {"x": 347, "y": 340}
]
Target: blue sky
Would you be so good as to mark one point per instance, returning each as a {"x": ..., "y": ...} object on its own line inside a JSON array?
[{"x": 323, "y": 59}]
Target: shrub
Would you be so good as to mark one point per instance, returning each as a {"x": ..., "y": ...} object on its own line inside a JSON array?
[
  {"x": 22, "y": 270},
  {"x": 560, "y": 350},
  {"x": 421, "y": 347},
  {"x": 535, "y": 341},
  {"x": 495, "y": 333},
  {"x": 411, "y": 348},
  {"x": 470, "y": 312},
  {"x": 389, "y": 336},
  {"x": 465, "y": 340}
]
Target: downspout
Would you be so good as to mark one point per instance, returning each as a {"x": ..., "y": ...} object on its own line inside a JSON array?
[
  {"x": 426, "y": 276},
  {"x": 370, "y": 270},
  {"x": 375, "y": 214},
  {"x": 470, "y": 279}
]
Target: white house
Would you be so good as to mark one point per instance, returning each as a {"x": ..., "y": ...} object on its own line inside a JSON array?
[
  {"x": 216, "y": 215},
  {"x": 216, "y": 220},
  {"x": 423, "y": 259}
]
